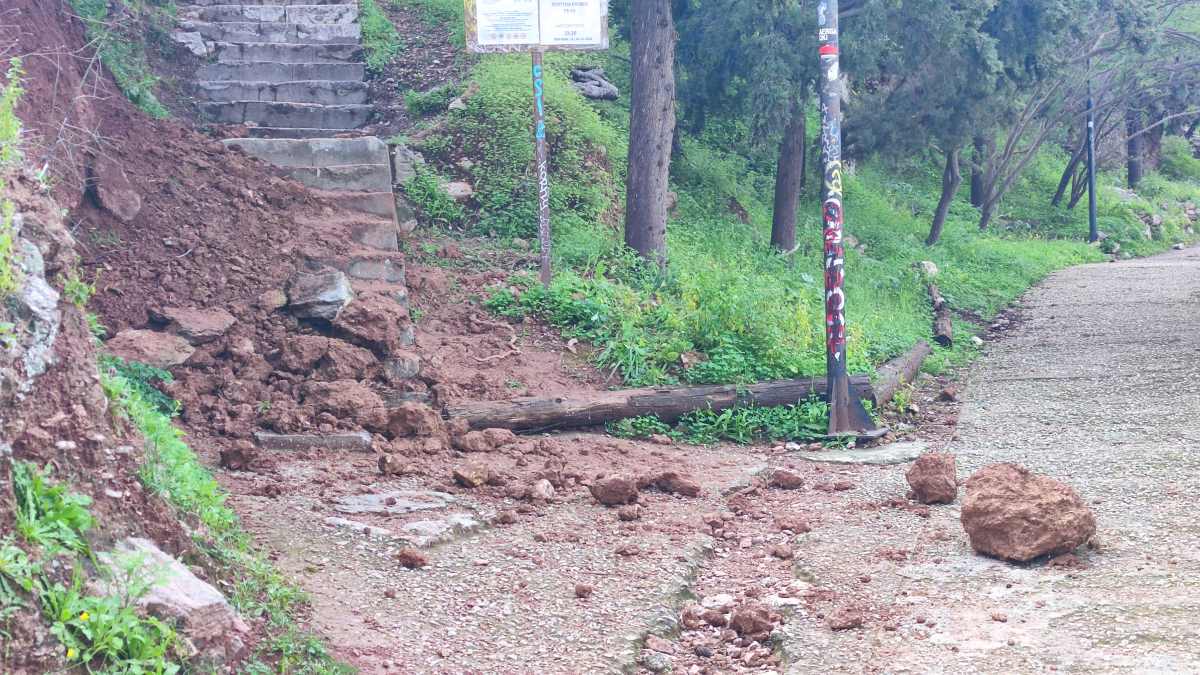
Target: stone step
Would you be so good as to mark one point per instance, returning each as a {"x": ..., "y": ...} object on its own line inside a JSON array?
[
  {"x": 244, "y": 32},
  {"x": 382, "y": 204},
  {"x": 313, "y": 153},
  {"x": 212, "y": 3},
  {"x": 372, "y": 265},
  {"x": 360, "y": 441},
  {"x": 353, "y": 177},
  {"x": 305, "y": 14},
  {"x": 298, "y": 134},
  {"x": 397, "y": 292},
  {"x": 295, "y": 115},
  {"x": 287, "y": 52},
  {"x": 313, "y": 91},
  {"x": 281, "y": 72}
]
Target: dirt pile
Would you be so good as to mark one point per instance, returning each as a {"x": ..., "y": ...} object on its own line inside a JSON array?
[{"x": 1011, "y": 513}]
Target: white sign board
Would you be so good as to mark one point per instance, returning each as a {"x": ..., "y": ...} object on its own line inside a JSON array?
[{"x": 544, "y": 25}]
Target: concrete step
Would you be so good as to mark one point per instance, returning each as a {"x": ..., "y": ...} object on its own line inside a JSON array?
[
  {"x": 294, "y": 115},
  {"x": 318, "y": 91},
  {"x": 307, "y": 14},
  {"x": 381, "y": 204},
  {"x": 243, "y": 32},
  {"x": 284, "y": 52},
  {"x": 313, "y": 153},
  {"x": 281, "y": 72},
  {"x": 212, "y": 3},
  {"x": 356, "y": 177},
  {"x": 298, "y": 134}
]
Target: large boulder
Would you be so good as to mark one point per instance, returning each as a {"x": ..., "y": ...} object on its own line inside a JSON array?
[
  {"x": 348, "y": 400},
  {"x": 1011, "y": 513},
  {"x": 377, "y": 323},
  {"x": 114, "y": 191},
  {"x": 161, "y": 350},
  {"x": 413, "y": 419},
  {"x": 932, "y": 478}
]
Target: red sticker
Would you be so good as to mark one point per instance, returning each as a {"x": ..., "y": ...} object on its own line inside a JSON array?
[{"x": 828, "y": 50}]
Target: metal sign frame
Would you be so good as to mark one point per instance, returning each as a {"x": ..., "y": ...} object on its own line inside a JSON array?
[{"x": 539, "y": 9}]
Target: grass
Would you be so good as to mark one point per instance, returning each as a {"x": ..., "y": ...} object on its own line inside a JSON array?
[
  {"x": 380, "y": 40},
  {"x": 439, "y": 14},
  {"x": 123, "y": 53},
  {"x": 805, "y": 421},
  {"x": 173, "y": 471},
  {"x": 10, "y": 155},
  {"x": 730, "y": 309}
]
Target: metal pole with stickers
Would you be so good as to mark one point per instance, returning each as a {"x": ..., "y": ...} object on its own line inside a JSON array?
[{"x": 537, "y": 26}]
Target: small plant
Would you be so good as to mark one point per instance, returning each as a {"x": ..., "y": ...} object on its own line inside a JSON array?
[
  {"x": 47, "y": 514},
  {"x": 433, "y": 101},
  {"x": 426, "y": 192},
  {"x": 95, "y": 327},
  {"x": 380, "y": 40},
  {"x": 10, "y": 124},
  {"x": 806, "y": 421},
  {"x": 638, "y": 427},
  {"x": 902, "y": 398},
  {"x": 144, "y": 379},
  {"x": 77, "y": 291},
  {"x": 10, "y": 274}
]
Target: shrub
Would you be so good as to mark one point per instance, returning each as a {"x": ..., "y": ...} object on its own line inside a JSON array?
[
  {"x": 379, "y": 37},
  {"x": 1178, "y": 161}
]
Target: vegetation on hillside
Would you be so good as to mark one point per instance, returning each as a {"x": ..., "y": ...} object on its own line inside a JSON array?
[{"x": 114, "y": 29}]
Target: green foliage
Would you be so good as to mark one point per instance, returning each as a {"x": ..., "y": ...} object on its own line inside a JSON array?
[
  {"x": 144, "y": 379},
  {"x": 380, "y": 39},
  {"x": 122, "y": 52},
  {"x": 77, "y": 291},
  {"x": 1178, "y": 162},
  {"x": 48, "y": 515},
  {"x": 433, "y": 101},
  {"x": 426, "y": 192},
  {"x": 638, "y": 427},
  {"x": 10, "y": 124},
  {"x": 439, "y": 14},
  {"x": 173, "y": 471},
  {"x": 9, "y": 270},
  {"x": 805, "y": 421}
]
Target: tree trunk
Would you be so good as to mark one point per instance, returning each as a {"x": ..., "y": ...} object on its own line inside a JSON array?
[
  {"x": 951, "y": 180},
  {"x": 789, "y": 176},
  {"x": 943, "y": 327},
  {"x": 985, "y": 214},
  {"x": 651, "y": 128},
  {"x": 540, "y": 414},
  {"x": 981, "y": 151},
  {"x": 1191, "y": 131},
  {"x": 1133, "y": 147},
  {"x": 902, "y": 370},
  {"x": 1069, "y": 174}
]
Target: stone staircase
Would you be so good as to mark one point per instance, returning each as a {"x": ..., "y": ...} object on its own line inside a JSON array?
[{"x": 291, "y": 71}]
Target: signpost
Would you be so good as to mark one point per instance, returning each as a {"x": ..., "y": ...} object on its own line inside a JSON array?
[
  {"x": 846, "y": 412},
  {"x": 537, "y": 26}
]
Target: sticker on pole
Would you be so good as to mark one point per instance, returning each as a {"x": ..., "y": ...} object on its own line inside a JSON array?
[{"x": 541, "y": 25}]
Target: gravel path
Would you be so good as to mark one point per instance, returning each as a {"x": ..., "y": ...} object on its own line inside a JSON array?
[{"x": 1099, "y": 386}]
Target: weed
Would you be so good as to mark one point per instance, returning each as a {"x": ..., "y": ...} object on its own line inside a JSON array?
[
  {"x": 638, "y": 427},
  {"x": 902, "y": 398},
  {"x": 426, "y": 192},
  {"x": 433, "y": 101},
  {"x": 10, "y": 124},
  {"x": 48, "y": 515},
  {"x": 379, "y": 37},
  {"x": 805, "y": 421},
  {"x": 122, "y": 53},
  {"x": 97, "y": 329},
  {"x": 10, "y": 273},
  {"x": 145, "y": 379},
  {"x": 77, "y": 291}
]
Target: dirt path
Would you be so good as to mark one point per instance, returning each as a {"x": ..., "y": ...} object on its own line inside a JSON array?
[{"x": 1099, "y": 386}]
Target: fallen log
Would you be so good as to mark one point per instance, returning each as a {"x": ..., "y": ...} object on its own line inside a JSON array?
[
  {"x": 943, "y": 328},
  {"x": 668, "y": 404},
  {"x": 898, "y": 372}
]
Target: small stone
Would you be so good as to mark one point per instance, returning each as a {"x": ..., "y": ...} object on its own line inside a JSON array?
[
  {"x": 541, "y": 490},
  {"x": 928, "y": 268},
  {"x": 655, "y": 643},
  {"x": 703, "y": 651},
  {"x": 786, "y": 479},
  {"x": 583, "y": 591},
  {"x": 721, "y": 601},
  {"x": 932, "y": 478},
  {"x": 629, "y": 512},
  {"x": 411, "y": 558},
  {"x": 752, "y": 621},
  {"x": 239, "y": 457},
  {"x": 999, "y": 617},
  {"x": 714, "y": 618},
  {"x": 845, "y": 618},
  {"x": 506, "y": 518},
  {"x": 628, "y": 550},
  {"x": 976, "y": 340},
  {"x": 472, "y": 475},
  {"x": 782, "y": 551},
  {"x": 949, "y": 393},
  {"x": 656, "y": 662},
  {"x": 794, "y": 524},
  {"x": 615, "y": 490},
  {"x": 161, "y": 350}
]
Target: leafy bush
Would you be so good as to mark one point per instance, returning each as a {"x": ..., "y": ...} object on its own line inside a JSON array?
[
  {"x": 144, "y": 379},
  {"x": 122, "y": 52},
  {"x": 47, "y": 514},
  {"x": 638, "y": 427},
  {"x": 1178, "y": 161},
  {"x": 426, "y": 192},
  {"x": 379, "y": 37}
]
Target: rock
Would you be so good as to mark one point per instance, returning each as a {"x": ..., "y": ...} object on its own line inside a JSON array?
[
  {"x": 541, "y": 490},
  {"x": 459, "y": 191},
  {"x": 714, "y": 618},
  {"x": 404, "y": 163},
  {"x": 198, "y": 326},
  {"x": 271, "y": 300},
  {"x": 629, "y": 512},
  {"x": 782, "y": 551},
  {"x": 347, "y": 400},
  {"x": 752, "y": 621},
  {"x": 239, "y": 457},
  {"x": 507, "y": 517},
  {"x": 301, "y": 353},
  {"x": 720, "y": 601},
  {"x": 655, "y": 662},
  {"x": 411, "y": 558},
  {"x": 472, "y": 475},
  {"x": 191, "y": 41},
  {"x": 414, "y": 419},
  {"x": 457, "y": 104},
  {"x": 319, "y": 295},
  {"x": 950, "y": 393},
  {"x": 655, "y": 643},
  {"x": 795, "y": 524},
  {"x": 583, "y": 590},
  {"x": 498, "y": 438},
  {"x": 395, "y": 465},
  {"x": 359, "y": 441},
  {"x": 672, "y": 482},
  {"x": 933, "y": 479},
  {"x": 377, "y": 323},
  {"x": 592, "y": 83},
  {"x": 344, "y": 361},
  {"x": 1011, "y": 513},
  {"x": 786, "y": 479},
  {"x": 161, "y": 350},
  {"x": 178, "y": 596},
  {"x": 976, "y": 340},
  {"x": 1179, "y": 247},
  {"x": 928, "y": 268},
  {"x": 615, "y": 490},
  {"x": 845, "y": 618},
  {"x": 114, "y": 192},
  {"x": 401, "y": 367},
  {"x": 472, "y": 441}
]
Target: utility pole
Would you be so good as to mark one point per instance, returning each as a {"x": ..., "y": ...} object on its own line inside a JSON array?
[
  {"x": 846, "y": 412},
  {"x": 1093, "y": 228}
]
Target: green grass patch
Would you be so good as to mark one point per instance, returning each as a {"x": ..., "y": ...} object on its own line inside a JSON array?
[
  {"x": 439, "y": 14},
  {"x": 1178, "y": 162},
  {"x": 380, "y": 39},
  {"x": 114, "y": 29},
  {"x": 433, "y": 101},
  {"x": 806, "y": 421},
  {"x": 426, "y": 191}
]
